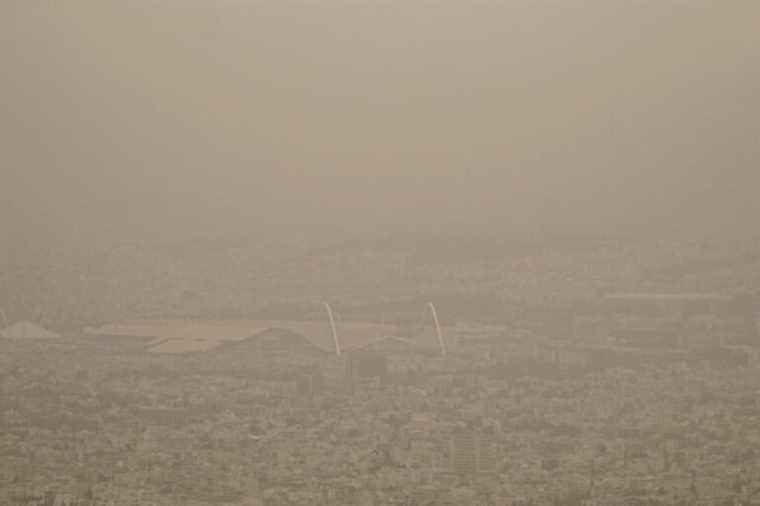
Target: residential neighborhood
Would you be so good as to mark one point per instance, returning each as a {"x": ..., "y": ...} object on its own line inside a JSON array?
[{"x": 277, "y": 419}]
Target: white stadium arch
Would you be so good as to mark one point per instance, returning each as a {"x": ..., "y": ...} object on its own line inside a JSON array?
[
  {"x": 333, "y": 329},
  {"x": 439, "y": 334}
]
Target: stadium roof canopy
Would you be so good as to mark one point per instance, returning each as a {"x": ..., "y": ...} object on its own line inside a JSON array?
[
  {"x": 181, "y": 336},
  {"x": 27, "y": 330}
]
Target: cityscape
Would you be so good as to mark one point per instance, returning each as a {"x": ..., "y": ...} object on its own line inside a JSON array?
[
  {"x": 634, "y": 397},
  {"x": 379, "y": 253}
]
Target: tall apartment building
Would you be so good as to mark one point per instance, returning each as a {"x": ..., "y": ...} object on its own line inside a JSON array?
[{"x": 473, "y": 452}]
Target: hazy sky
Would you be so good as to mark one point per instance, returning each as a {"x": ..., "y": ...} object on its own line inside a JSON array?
[{"x": 180, "y": 116}]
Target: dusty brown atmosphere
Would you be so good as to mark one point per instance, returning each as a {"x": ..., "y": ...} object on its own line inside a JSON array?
[
  {"x": 341, "y": 253},
  {"x": 169, "y": 117}
]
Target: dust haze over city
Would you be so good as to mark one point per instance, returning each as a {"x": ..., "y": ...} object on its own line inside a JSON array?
[{"x": 412, "y": 253}]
